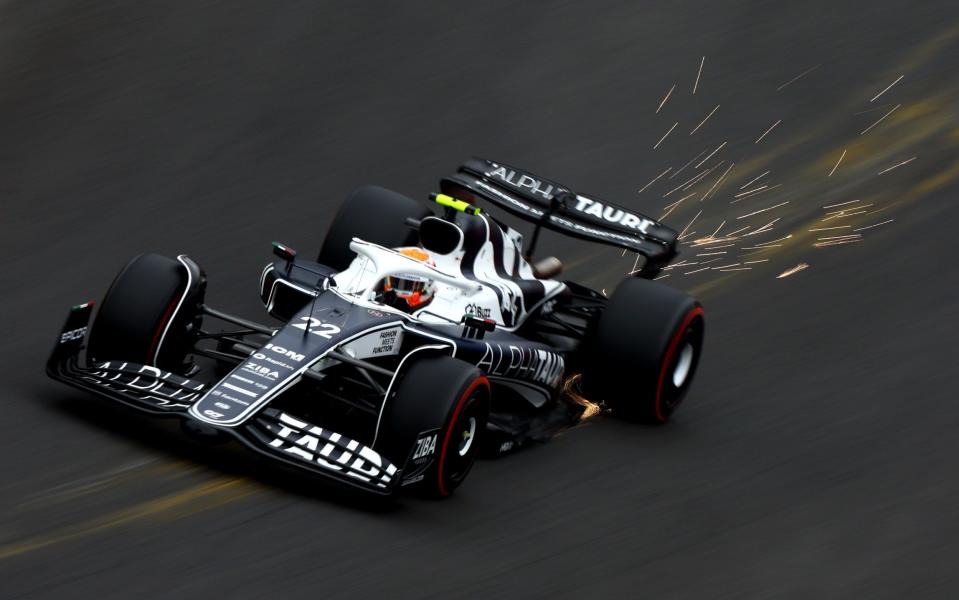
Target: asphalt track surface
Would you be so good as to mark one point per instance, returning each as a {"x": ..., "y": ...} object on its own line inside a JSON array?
[{"x": 816, "y": 455}]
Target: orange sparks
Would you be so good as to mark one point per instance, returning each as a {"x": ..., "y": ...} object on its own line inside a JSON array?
[
  {"x": 765, "y": 133},
  {"x": 718, "y": 181},
  {"x": 840, "y": 204},
  {"x": 836, "y": 166},
  {"x": 887, "y": 88},
  {"x": 763, "y": 210},
  {"x": 881, "y": 119},
  {"x": 754, "y": 180},
  {"x": 753, "y": 193},
  {"x": 665, "y": 135},
  {"x": 792, "y": 271},
  {"x": 690, "y": 225},
  {"x": 905, "y": 162},
  {"x": 696, "y": 84},
  {"x": 665, "y": 98},
  {"x": 695, "y": 129},
  {"x": 718, "y": 148},
  {"x": 797, "y": 77},
  {"x": 871, "y": 226},
  {"x": 682, "y": 168},
  {"x": 655, "y": 179}
]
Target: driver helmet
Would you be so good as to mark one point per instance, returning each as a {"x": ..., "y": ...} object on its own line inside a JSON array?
[{"x": 409, "y": 292}]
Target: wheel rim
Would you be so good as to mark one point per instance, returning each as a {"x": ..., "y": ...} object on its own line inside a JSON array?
[
  {"x": 467, "y": 435},
  {"x": 681, "y": 371},
  {"x": 463, "y": 441}
]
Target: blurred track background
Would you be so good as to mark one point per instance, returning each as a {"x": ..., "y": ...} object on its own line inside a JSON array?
[{"x": 817, "y": 453}]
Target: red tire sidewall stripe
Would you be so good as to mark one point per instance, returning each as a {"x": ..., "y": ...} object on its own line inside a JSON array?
[
  {"x": 160, "y": 327},
  {"x": 670, "y": 352},
  {"x": 481, "y": 380}
]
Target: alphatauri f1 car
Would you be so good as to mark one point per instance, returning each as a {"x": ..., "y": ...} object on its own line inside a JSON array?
[{"x": 410, "y": 344}]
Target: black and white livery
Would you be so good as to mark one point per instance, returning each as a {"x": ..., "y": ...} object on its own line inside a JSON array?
[{"x": 414, "y": 342}]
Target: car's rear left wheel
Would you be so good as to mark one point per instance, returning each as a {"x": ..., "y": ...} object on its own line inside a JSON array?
[{"x": 640, "y": 357}]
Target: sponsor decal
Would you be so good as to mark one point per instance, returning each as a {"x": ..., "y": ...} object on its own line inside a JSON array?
[
  {"x": 259, "y": 370},
  {"x": 272, "y": 361},
  {"x": 523, "y": 181},
  {"x": 375, "y": 313},
  {"x": 478, "y": 311},
  {"x": 72, "y": 335},
  {"x": 587, "y": 206},
  {"x": 147, "y": 384},
  {"x": 284, "y": 352},
  {"x": 506, "y": 446},
  {"x": 332, "y": 451},
  {"x": 612, "y": 214},
  {"x": 528, "y": 364},
  {"x": 425, "y": 446},
  {"x": 385, "y": 342}
]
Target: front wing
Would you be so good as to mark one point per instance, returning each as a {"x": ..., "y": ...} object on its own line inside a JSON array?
[{"x": 276, "y": 434}]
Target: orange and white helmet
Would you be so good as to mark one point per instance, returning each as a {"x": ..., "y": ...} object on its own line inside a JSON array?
[{"x": 409, "y": 292}]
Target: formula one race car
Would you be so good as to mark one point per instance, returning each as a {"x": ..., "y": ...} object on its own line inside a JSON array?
[{"x": 412, "y": 342}]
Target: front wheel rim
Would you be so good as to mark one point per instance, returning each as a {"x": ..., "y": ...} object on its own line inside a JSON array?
[
  {"x": 683, "y": 365},
  {"x": 467, "y": 436}
]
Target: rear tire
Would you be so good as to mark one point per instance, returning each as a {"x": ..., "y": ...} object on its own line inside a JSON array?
[
  {"x": 373, "y": 214},
  {"x": 436, "y": 396},
  {"x": 150, "y": 314},
  {"x": 640, "y": 357}
]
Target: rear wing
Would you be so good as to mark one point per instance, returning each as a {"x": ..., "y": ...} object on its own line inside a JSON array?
[{"x": 555, "y": 207}]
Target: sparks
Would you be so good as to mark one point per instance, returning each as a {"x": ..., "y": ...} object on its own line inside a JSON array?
[
  {"x": 711, "y": 154},
  {"x": 840, "y": 204},
  {"x": 718, "y": 181},
  {"x": 752, "y": 181},
  {"x": 752, "y": 191},
  {"x": 682, "y": 168},
  {"x": 792, "y": 271},
  {"x": 773, "y": 126},
  {"x": 881, "y": 119},
  {"x": 696, "y": 84},
  {"x": 673, "y": 206},
  {"x": 836, "y": 166},
  {"x": 887, "y": 88},
  {"x": 843, "y": 215},
  {"x": 871, "y": 226},
  {"x": 666, "y": 135},
  {"x": 665, "y": 98},
  {"x": 707, "y": 172},
  {"x": 655, "y": 179},
  {"x": 695, "y": 129},
  {"x": 690, "y": 224},
  {"x": 836, "y": 242},
  {"x": 797, "y": 77},
  {"x": 829, "y": 228},
  {"x": 763, "y": 210},
  {"x": 905, "y": 162}
]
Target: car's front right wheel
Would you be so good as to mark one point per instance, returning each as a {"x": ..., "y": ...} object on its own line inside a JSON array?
[{"x": 434, "y": 421}]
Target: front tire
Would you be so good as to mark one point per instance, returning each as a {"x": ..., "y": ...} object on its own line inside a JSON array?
[
  {"x": 640, "y": 357},
  {"x": 150, "y": 314},
  {"x": 436, "y": 396}
]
